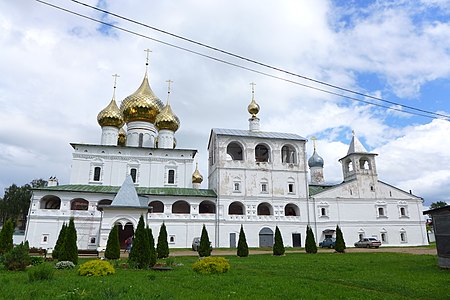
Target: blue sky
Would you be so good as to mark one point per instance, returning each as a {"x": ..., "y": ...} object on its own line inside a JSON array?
[{"x": 59, "y": 76}]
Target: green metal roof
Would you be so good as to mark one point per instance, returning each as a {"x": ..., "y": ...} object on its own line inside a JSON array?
[
  {"x": 315, "y": 189},
  {"x": 163, "y": 191}
]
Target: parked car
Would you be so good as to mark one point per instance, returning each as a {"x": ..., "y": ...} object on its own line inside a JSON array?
[
  {"x": 195, "y": 243},
  {"x": 328, "y": 243},
  {"x": 368, "y": 243}
]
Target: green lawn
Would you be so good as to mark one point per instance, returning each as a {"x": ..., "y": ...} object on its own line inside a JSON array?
[{"x": 294, "y": 276}]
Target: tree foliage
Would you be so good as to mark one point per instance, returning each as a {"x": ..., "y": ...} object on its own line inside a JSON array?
[
  {"x": 438, "y": 204},
  {"x": 6, "y": 237},
  {"x": 59, "y": 246},
  {"x": 113, "y": 245},
  {"x": 69, "y": 250},
  {"x": 18, "y": 258},
  {"x": 140, "y": 252},
  {"x": 310, "y": 244},
  {"x": 242, "y": 250},
  {"x": 204, "y": 249},
  {"x": 340, "y": 243},
  {"x": 151, "y": 241},
  {"x": 278, "y": 247},
  {"x": 16, "y": 202},
  {"x": 162, "y": 248}
]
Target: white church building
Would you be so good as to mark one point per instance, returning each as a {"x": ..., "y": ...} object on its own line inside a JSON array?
[{"x": 257, "y": 179}]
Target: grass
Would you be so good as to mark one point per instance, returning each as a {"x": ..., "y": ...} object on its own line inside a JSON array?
[{"x": 294, "y": 276}]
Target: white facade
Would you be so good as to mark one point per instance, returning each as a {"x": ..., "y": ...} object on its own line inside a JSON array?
[{"x": 256, "y": 179}]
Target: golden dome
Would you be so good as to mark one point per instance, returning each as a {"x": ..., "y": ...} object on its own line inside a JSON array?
[
  {"x": 122, "y": 138},
  {"x": 196, "y": 176},
  {"x": 253, "y": 108},
  {"x": 142, "y": 105},
  {"x": 166, "y": 119},
  {"x": 110, "y": 115}
]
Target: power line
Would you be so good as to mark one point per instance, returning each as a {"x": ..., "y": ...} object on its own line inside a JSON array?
[
  {"x": 428, "y": 114},
  {"x": 257, "y": 62}
]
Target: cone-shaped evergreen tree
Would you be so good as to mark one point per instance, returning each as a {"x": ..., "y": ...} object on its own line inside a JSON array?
[
  {"x": 340, "y": 243},
  {"x": 310, "y": 246},
  {"x": 140, "y": 252},
  {"x": 69, "y": 250},
  {"x": 6, "y": 237},
  {"x": 151, "y": 241},
  {"x": 162, "y": 248},
  {"x": 59, "y": 242},
  {"x": 204, "y": 249},
  {"x": 242, "y": 250},
  {"x": 113, "y": 245},
  {"x": 278, "y": 247}
]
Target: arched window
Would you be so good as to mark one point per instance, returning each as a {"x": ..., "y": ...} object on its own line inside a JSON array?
[
  {"x": 380, "y": 211},
  {"x": 349, "y": 165},
  {"x": 97, "y": 172},
  {"x": 291, "y": 210},
  {"x": 288, "y": 154},
  {"x": 133, "y": 174},
  {"x": 261, "y": 153},
  {"x": 402, "y": 211},
  {"x": 236, "y": 208},
  {"x": 265, "y": 209},
  {"x": 181, "y": 207},
  {"x": 156, "y": 207},
  {"x": 323, "y": 211},
  {"x": 50, "y": 202},
  {"x": 234, "y": 151},
  {"x": 79, "y": 204},
  {"x": 171, "y": 177},
  {"x": 207, "y": 207},
  {"x": 141, "y": 139},
  {"x": 364, "y": 164}
]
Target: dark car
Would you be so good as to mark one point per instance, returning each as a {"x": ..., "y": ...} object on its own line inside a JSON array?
[
  {"x": 369, "y": 242},
  {"x": 328, "y": 243}
]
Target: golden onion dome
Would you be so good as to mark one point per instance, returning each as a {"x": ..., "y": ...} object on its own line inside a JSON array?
[
  {"x": 122, "y": 138},
  {"x": 196, "y": 176},
  {"x": 110, "y": 115},
  {"x": 166, "y": 119},
  {"x": 253, "y": 108},
  {"x": 142, "y": 105}
]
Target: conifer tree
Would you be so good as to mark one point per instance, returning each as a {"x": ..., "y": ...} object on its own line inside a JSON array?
[
  {"x": 113, "y": 245},
  {"x": 204, "y": 249},
  {"x": 151, "y": 241},
  {"x": 59, "y": 242},
  {"x": 310, "y": 246},
  {"x": 70, "y": 249},
  {"x": 162, "y": 248},
  {"x": 140, "y": 252},
  {"x": 242, "y": 250},
  {"x": 278, "y": 247},
  {"x": 6, "y": 237},
  {"x": 340, "y": 243}
]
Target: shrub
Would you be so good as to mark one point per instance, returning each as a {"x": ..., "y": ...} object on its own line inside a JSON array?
[
  {"x": 242, "y": 250},
  {"x": 113, "y": 245},
  {"x": 162, "y": 248},
  {"x": 151, "y": 242},
  {"x": 140, "y": 252},
  {"x": 59, "y": 242},
  {"x": 43, "y": 271},
  {"x": 36, "y": 260},
  {"x": 70, "y": 250},
  {"x": 6, "y": 237},
  {"x": 18, "y": 258},
  {"x": 340, "y": 243},
  {"x": 64, "y": 264},
  {"x": 96, "y": 268},
  {"x": 204, "y": 249},
  {"x": 211, "y": 265},
  {"x": 278, "y": 247},
  {"x": 310, "y": 244}
]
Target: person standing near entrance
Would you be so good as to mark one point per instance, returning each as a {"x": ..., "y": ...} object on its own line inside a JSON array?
[{"x": 128, "y": 244}]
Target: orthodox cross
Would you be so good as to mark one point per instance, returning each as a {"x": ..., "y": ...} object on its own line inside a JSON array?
[
  {"x": 115, "y": 83},
  {"x": 253, "y": 88},
  {"x": 168, "y": 89},
  {"x": 314, "y": 139},
  {"x": 148, "y": 53}
]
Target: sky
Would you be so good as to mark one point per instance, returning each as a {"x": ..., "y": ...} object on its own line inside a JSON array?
[{"x": 57, "y": 75}]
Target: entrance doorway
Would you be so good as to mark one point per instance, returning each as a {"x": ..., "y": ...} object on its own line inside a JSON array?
[
  {"x": 266, "y": 237},
  {"x": 232, "y": 239},
  {"x": 124, "y": 233},
  {"x": 296, "y": 240}
]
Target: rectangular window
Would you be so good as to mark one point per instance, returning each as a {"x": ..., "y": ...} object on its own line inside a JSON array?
[
  {"x": 291, "y": 188},
  {"x": 133, "y": 173},
  {"x": 171, "y": 178},
  {"x": 92, "y": 240},
  {"x": 264, "y": 187},
  {"x": 237, "y": 187},
  {"x": 45, "y": 238},
  {"x": 97, "y": 171}
]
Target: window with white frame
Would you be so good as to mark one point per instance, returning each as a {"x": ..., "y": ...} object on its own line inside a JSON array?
[
  {"x": 45, "y": 238},
  {"x": 323, "y": 210},
  {"x": 403, "y": 237},
  {"x": 264, "y": 186},
  {"x": 92, "y": 240},
  {"x": 403, "y": 209},
  {"x": 236, "y": 185},
  {"x": 381, "y": 209},
  {"x": 171, "y": 239},
  {"x": 96, "y": 171},
  {"x": 291, "y": 186},
  {"x": 383, "y": 236}
]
